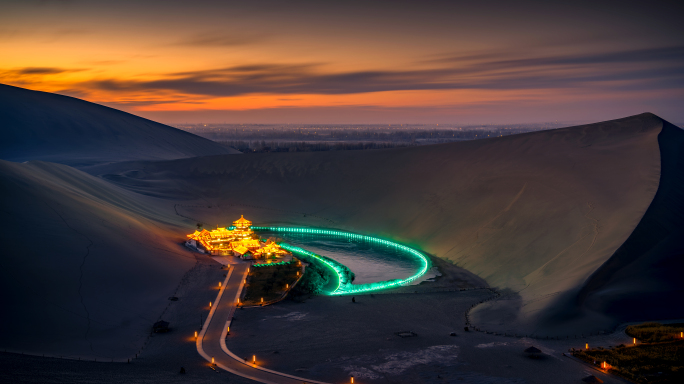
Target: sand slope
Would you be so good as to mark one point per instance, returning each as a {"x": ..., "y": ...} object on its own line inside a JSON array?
[
  {"x": 579, "y": 226},
  {"x": 536, "y": 215},
  {"x": 86, "y": 268},
  {"x": 44, "y": 126},
  {"x": 644, "y": 274}
]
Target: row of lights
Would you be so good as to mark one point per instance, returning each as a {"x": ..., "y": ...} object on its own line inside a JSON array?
[
  {"x": 304, "y": 252},
  {"x": 210, "y": 305},
  {"x": 634, "y": 340},
  {"x": 213, "y": 360},
  {"x": 271, "y": 264},
  {"x": 361, "y": 287},
  {"x": 605, "y": 365}
]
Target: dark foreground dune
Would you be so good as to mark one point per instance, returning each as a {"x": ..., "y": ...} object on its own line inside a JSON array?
[
  {"x": 45, "y": 126},
  {"x": 86, "y": 266}
]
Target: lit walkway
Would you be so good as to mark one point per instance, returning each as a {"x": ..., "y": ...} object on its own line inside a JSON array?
[{"x": 211, "y": 341}]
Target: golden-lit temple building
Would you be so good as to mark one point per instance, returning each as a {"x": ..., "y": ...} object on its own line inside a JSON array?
[{"x": 240, "y": 241}]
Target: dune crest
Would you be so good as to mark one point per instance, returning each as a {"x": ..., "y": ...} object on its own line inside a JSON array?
[
  {"x": 49, "y": 127},
  {"x": 535, "y": 215}
]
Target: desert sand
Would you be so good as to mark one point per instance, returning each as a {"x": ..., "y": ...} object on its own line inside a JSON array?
[
  {"x": 535, "y": 215},
  {"x": 579, "y": 229},
  {"x": 50, "y": 127},
  {"x": 86, "y": 267},
  {"x": 329, "y": 338}
]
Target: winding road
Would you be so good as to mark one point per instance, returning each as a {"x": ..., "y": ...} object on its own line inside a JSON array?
[{"x": 211, "y": 342}]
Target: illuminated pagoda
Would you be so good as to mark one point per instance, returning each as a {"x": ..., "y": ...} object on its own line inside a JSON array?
[
  {"x": 242, "y": 229},
  {"x": 270, "y": 250},
  {"x": 240, "y": 241}
]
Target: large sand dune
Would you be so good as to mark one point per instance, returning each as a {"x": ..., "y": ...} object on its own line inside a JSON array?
[
  {"x": 86, "y": 267},
  {"x": 44, "y": 126},
  {"x": 545, "y": 216},
  {"x": 580, "y": 227}
]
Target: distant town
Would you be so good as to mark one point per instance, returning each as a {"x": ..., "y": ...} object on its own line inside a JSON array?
[{"x": 255, "y": 138}]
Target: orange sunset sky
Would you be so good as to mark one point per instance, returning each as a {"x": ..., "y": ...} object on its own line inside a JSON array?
[{"x": 352, "y": 62}]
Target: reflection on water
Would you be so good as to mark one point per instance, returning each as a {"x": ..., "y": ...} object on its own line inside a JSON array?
[{"x": 369, "y": 262}]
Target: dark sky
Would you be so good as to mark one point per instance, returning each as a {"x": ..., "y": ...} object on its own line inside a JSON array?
[{"x": 353, "y": 62}]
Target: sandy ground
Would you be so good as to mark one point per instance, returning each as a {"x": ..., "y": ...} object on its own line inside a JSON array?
[
  {"x": 86, "y": 267},
  {"x": 159, "y": 360},
  {"x": 329, "y": 338}
]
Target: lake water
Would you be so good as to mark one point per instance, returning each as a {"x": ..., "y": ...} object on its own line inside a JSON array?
[{"x": 369, "y": 262}]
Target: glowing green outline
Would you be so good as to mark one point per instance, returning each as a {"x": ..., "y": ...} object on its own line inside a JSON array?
[
  {"x": 271, "y": 264},
  {"x": 349, "y": 289},
  {"x": 303, "y": 251}
]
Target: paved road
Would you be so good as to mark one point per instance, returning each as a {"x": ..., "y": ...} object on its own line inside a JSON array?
[{"x": 211, "y": 341}]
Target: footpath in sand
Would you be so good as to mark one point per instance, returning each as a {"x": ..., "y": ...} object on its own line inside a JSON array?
[{"x": 211, "y": 341}]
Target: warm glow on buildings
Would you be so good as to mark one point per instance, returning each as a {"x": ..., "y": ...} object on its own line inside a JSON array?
[{"x": 241, "y": 241}]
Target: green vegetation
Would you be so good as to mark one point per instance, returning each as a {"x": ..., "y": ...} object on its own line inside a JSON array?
[
  {"x": 347, "y": 275},
  {"x": 658, "y": 360},
  {"x": 316, "y": 276},
  {"x": 655, "y": 332},
  {"x": 270, "y": 281}
]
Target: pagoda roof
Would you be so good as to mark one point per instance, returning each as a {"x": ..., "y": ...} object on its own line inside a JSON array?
[
  {"x": 197, "y": 234},
  {"x": 242, "y": 222},
  {"x": 240, "y": 249},
  {"x": 245, "y": 243}
]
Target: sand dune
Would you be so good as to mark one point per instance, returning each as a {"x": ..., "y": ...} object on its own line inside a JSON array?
[
  {"x": 539, "y": 215},
  {"x": 644, "y": 274},
  {"x": 86, "y": 266},
  {"x": 580, "y": 227},
  {"x": 44, "y": 126}
]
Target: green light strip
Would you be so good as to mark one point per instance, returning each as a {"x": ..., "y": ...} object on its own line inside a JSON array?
[
  {"x": 271, "y": 264},
  {"x": 352, "y": 288},
  {"x": 338, "y": 271}
]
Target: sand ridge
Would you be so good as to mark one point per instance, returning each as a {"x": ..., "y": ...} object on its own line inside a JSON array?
[
  {"x": 535, "y": 215},
  {"x": 50, "y": 127}
]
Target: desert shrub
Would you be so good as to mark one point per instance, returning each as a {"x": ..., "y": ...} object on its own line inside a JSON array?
[
  {"x": 347, "y": 275},
  {"x": 269, "y": 281},
  {"x": 653, "y": 363},
  {"x": 655, "y": 332},
  {"x": 315, "y": 278}
]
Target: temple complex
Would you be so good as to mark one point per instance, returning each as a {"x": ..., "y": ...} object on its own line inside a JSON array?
[{"x": 239, "y": 241}]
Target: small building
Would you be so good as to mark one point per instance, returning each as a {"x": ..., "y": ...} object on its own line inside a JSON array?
[
  {"x": 239, "y": 241},
  {"x": 240, "y": 251},
  {"x": 270, "y": 250}
]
